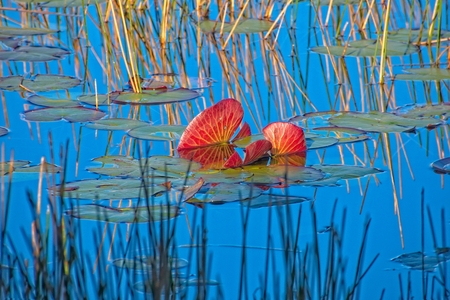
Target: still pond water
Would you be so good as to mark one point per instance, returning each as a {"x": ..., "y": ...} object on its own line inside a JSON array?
[{"x": 356, "y": 232}]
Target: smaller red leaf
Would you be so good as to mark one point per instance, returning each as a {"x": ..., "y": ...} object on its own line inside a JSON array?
[
  {"x": 233, "y": 161},
  {"x": 286, "y": 138},
  {"x": 256, "y": 150},
  {"x": 244, "y": 132}
]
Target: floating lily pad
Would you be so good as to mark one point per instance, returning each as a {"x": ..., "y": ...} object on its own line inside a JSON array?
[
  {"x": 381, "y": 122},
  {"x": 16, "y": 164},
  {"x": 3, "y": 131},
  {"x": 419, "y": 261},
  {"x": 278, "y": 174},
  {"x": 6, "y": 32},
  {"x": 352, "y": 139},
  {"x": 141, "y": 214},
  {"x": 412, "y": 35},
  {"x": 326, "y": 2},
  {"x": 115, "y": 124},
  {"x": 442, "y": 165},
  {"x": 348, "y": 130},
  {"x": 268, "y": 200},
  {"x": 173, "y": 164},
  {"x": 38, "y": 83},
  {"x": 60, "y": 3},
  {"x": 224, "y": 176},
  {"x": 70, "y": 114},
  {"x": 367, "y": 48},
  {"x": 100, "y": 99},
  {"x": 424, "y": 111},
  {"x": 244, "y": 26},
  {"x": 157, "y": 132},
  {"x": 226, "y": 192},
  {"x": 33, "y": 53},
  {"x": 244, "y": 142},
  {"x": 49, "y": 102},
  {"x": 106, "y": 189},
  {"x": 320, "y": 142},
  {"x": 424, "y": 74},
  {"x": 47, "y": 168},
  {"x": 154, "y": 97},
  {"x": 346, "y": 172}
]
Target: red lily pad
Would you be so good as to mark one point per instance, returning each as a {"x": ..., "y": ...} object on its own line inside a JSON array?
[
  {"x": 233, "y": 161},
  {"x": 243, "y": 133},
  {"x": 215, "y": 125},
  {"x": 286, "y": 138},
  {"x": 256, "y": 150},
  {"x": 71, "y": 114},
  {"x": 212, "y": 157}
]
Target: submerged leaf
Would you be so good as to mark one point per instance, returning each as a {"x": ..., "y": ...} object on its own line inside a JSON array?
[
  {"x": 442, "y": 165},
  {"x": 416, "y": 35},
  {"x": 346, "y": 172},
  {"x": 3, "y": 131},
  {"x": 140, "y": 214},
  {"x": 268, "y": 200},
  {"x": 70, "y": 114},
  {"x": 367, "y": 48},
  {"x": 441, "y": 110},
  {"x": 244, "y": 26},
  {"x": 226, "y": 192},
  {"x": 419, "y": 261},
  {"x": 38, "y": 83},
  {"x": 215, "y": 125}
]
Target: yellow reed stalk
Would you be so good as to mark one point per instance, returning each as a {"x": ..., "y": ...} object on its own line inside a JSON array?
[
  {"x": 281, "y": 15},
  {"x": 236, "y": 22},
  {"x": 384, "y": 45}
]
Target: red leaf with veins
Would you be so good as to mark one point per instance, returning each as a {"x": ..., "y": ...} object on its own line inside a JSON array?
[
  {"x": 212, "y": 157},
  {"x": 215, "y": 125},
  {"x": 233, "y": 161},
  {"x": 244, "y": 132},
  {"x": 256, "y": 150},
  {"x": 286, "y": 138}
]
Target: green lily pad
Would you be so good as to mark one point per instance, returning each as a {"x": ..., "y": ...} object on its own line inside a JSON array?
[
  {"x": 16, "y": 164},
  {"x": 326, "y": 2},
  {"x": 424, "y": 111},
  {"x": 33, "y": 54},
  {"x": 224, "y": 176},
  {"x": 61, "y": 3},
  {"x": 157, "y": 132},
  {"x": 155, "y": 97},
  {"x": 424, "y": 74},
  {"x": 100, "y": 99},
  {"x": 320, "y": 142},
  {"x": 412, "y": 35},
  {"x": 346, "y": 172},
  {"x": 106, "y": 189},
  {"x": 140, "y": 214},
  {"x": 367, "y": 48},
  {"x": 345, "y": 135},
  {"x": 338, "y": 129},
  {"x": 226, "y": 192},
  {"x": 268, "y": 200},
  {"x": 244, "y": 26},
  {"x": 172, "y": 164},
  {"x": 70, "y": 114},
  {"x": 49, "y": 102},
  {"x": 442, "y": 165},
  {"x": 352, "y": 139},
  {"x": 381, "y": 122},
  {"x": 244, "y": 142},
  {"x": 115, "y": 124},
  {"x": 7, "y": 32},
  {"x": 277, "y": 174},
  {"x": 38, "y": 83},
  {"x": 48, "y": 168},
  {"x": 3, "y": 131}
]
